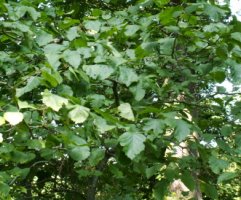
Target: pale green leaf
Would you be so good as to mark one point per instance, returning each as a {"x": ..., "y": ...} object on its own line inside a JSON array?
[
  {"x": 236, "y": 36},
  {"x": 79, "y": 114},
  {"x": 127, "y": 76},
  {"x": 92, "y": 25},
  {"x": 1, "y": 137},
  {"x": 53, "y": 60},
  {"x": 226, "y": 176},
  {"x": 102, "y": 125},
  {"x": 2, "y": 121},
  {"x": 72, "y": 33},
  {"x": 126, "y": 111},
  {"x": 133, "y": 143},
  {"x": 53, "y": 101},
  {"x": 25, "y": 104},
  {"x": 43, "y": 38},
  {"x": 13, "y": 118},
  {"x": 72, "y": 57},
  {"x": 131, "y": 30},
  {"x": 21, "y": 10},
  {"x": 98, "y": 71},
  {"x": 79, "y": 153},
  {"x": 52, "y": 53}
]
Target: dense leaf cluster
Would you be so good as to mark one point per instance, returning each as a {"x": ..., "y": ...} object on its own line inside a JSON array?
[{"x": 116, "y": 100}]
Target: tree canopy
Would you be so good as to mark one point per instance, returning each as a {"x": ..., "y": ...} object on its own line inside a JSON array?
[{"x": 116, "y": 99}]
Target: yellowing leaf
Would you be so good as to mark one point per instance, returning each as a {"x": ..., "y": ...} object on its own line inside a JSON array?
[
  {"x": 1, "y": 137},
  {"x": 53, "y": 101},
  {"x": 13, "y": 118},
  {"x": 79, "y": 114},
  {"x": 2, "y": 121},
  {"x": 126, "y": 111}
]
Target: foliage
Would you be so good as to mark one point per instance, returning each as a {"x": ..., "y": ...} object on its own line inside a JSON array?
[{"x": 116, "y": 99}]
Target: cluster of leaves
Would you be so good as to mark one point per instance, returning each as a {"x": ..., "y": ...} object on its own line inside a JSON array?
[{"x": 97, "y": 102}]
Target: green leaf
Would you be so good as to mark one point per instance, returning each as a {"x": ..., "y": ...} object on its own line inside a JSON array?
[
  {"x": 236, "y": 36},
  {"x": 213, "y": 11},
  {"x": 133, "y": 143},
  {"x": 65, "y": 90},
  {"x": 161, "y": 3},
  {"x": 79, "y": 153},
  {"x": 226, "y": 176},
  {"x": 217, "y": 164},
  {"x": 151, "y": 171},
  {"x": 4, "y": 189},
  {"x": 51, "y": 76},
  {"x": 20, "y": 172},
  {"x": 92, "y": 25},
  {"x": 218, "y": 76},
  {"x": 22, "y": 157},
  {"x": 138, "y": 92},
  {"x": 188, "y": 180},
  {"x": 78, "y": 148},
  {"x": 98, "y": 71},
  {"x": 21, "y": 10},
  {"x": 209, "y": 190},
  {"x": 161, "y": 189},
  {"x": 72, "y": 33},
  {"x": 96, "y": 156},
  {"x": 79, "y": 114},
  {"x": 166, "y": 45},
  {"x": 156, "y": 125},
  {"x": 127, "y": 76},
  {"x": 126, "y": 111},
  {"x": 131, "y": 30},
  {"x": 226, "y": 130},
  {"x": 52, "y": 52},
  {"x": 72, "y": 57},
  {"x": 102, "y": 125},
  {"x": 32, "y": 83},
  {"x": 182, "y": 130},
  {"x": 53, "y": 101},
  {"x": 43, "y": 38}
]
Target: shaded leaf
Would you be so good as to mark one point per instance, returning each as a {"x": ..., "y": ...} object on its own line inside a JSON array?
[
  {"x": 98, "y": 71},
  {"x": 133, "y": 143},
  {"x": 127, "y": 76},
  {"x": 217, "y": 164}
]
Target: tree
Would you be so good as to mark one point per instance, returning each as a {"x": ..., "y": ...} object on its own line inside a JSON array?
[{"x": 118, "y": 100}]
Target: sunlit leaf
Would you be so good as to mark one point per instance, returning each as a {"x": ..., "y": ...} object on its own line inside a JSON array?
[
  {"x": 13, "y": 118},
  {"x": 79, "y": 114},
  {"x": 53, "y": 101},
  {"x": 126, "y": 111}
]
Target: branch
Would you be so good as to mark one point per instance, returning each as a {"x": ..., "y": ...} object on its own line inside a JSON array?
[
  {"x": 94, "y": 180},
  {"x": 115, "y": 92}
]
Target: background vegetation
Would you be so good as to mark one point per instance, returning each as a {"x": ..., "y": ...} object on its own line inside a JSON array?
[{"x": 115, "y": 99}]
